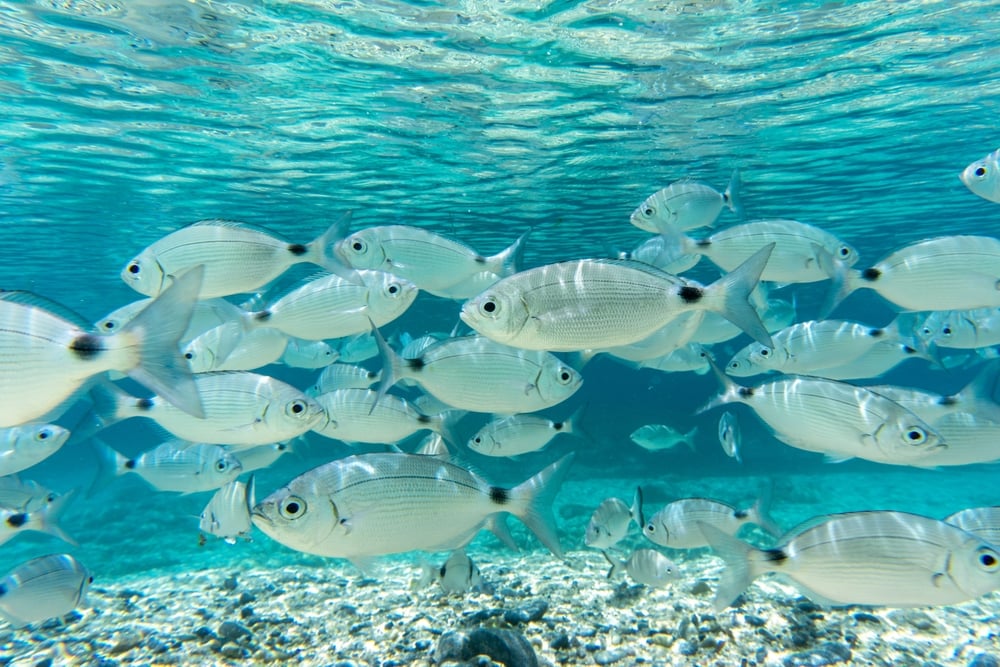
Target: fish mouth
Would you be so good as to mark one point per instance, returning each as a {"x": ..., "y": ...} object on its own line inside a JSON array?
[{"x": 257, "y": 513}]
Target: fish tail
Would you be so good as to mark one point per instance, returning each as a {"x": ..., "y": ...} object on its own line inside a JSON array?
[
  {"x": 48, "y": 518},
  {"x": 573, "y": 423},
  {"x": 730, "y": 295},
  {"x": 444, "y": 424},
  {"x": 732, "y": 194},
  {"x": 675, "y": 245},
  {"x": 843, "y": 279},
  {"x": 760, "y": 513},
  {"x": 393, "y": 366},
  {"x": 110, "y": 464},
  {"x": 497, "y": 524},
  {"x": 689, "y": 439},
  {"x": 635, "y": 512},
  {"x": 535, "y": 496},
  {"x": 321, "y": 250},
  {"x": 737, "y": 575},
  {"x": 508, "y": 261},
  {"x": 616, "y": 565},
  {"x": 157, "y": 330},
  {"x": 730, "y": 390}
]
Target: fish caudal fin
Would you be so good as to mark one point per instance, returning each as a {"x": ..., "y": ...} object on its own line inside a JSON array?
[
  {"x": 635, "y": 512},
  {"x": 110, "y": 464},
  {"x": 732, "y": 194},
  {"x": 760, "y": 514},
  {"x": 508, "y": 261},
  {"x": 322, "y": 251},
  {"x": 47, "y": 518},
  {"x": 534, "y": 499},
  {"x": 730, "y": 295},
  {"x": 392, "y": 366},
  {"x": 730, "y": 390},
  {"x": 616, "y": 565},
  {"x": 843, "y": 279},
  {"x": 737, "y": 576},
  {"x": 157, "y": 330}
]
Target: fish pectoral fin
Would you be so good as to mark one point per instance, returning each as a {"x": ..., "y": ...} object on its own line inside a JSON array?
[
  {"x": 366, "y": 564},
  {"x": 529, "y": 387},
  {"x": 836, "y": 458},
  {"x": 937, "y": 579}
]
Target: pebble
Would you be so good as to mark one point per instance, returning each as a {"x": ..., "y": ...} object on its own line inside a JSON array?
[
  {"x": 612, "y": 656},
  {"x": 504, "y": 646},
  {"x": 234, "y": 652},
  {"x": 919, "y": 620},
  {"x": 984, "y": 660},
  {"x": 827, "y": 653},
  {"x": 233, "y": 631},
  {"x": 684, "y": 647},
  {"x": 532, "y": 611},
  {"x": 230, "y": 583},
  {"x": 246, "y": 598}
]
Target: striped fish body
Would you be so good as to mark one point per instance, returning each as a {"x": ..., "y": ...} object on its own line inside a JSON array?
[
  {"x": 677, "y": 525},
  {"x": 984, "y": 522},
  {"x": 517, "y": 434},
  {"x": 375, "y": 504},
  {"x": 227, "y": 514},
  {"x": 343, "y": 376},
  {"x": 880, "y": 359},
  {"x": 43, "y": 588},
  {"x": 352, "y": 415},
  {"x": 971, "y": 438},
  {"x": 682, "y": 205},
  {"x": 185, "y": 467},
  {"x": 23, "y": 446},
  {"x": 228, "y": 348}
]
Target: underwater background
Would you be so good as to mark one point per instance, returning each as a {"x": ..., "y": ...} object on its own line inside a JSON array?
[{"x": 123, "y": 121}]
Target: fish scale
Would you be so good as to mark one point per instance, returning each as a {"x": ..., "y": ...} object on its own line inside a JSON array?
[{"x": 353, "y": 415}]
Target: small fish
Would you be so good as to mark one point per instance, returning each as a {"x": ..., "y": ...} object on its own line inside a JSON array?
[
  {"x": 23, "y": 446},
  {"x": 433, "y": 262},
  {"x": 48, "y": 353},
  {"x": 261, "y": 456},
  {"x": 374, "y": 504},
  {"x": 610, "y": 522},
  {"x": 519, "y": 434},
  {"x": 685, "y": 204},
  {"x": 475, "y": 373},
  {"x": 355, "y": 349},
  {"x": 238, "y": 258},
  {"x": 227, "y": 515},
  {"x": 883, "y": 357},
  {"x": 343, "y": 376},
  {"x": 981, "y": 521},
  {"x": 175, "y": 465},
  {"x": 729, "y": 436},
  {"x": 43, "y": 588},
  {"x": 660, "y": 437},
  {"x": 229, "y": 347},
  {"x": 964, "y": 329},
  {"x": 645, "y": 566},
  {"x": 361, "y": 415},
  {"x": 890, "y": 559},
  {"x": 678, "y": 524},
  {"x": 659, "y": 253},
  {"x": 300, "y": 353},
  {"x": 595, "y": 304},
  {"x": 457, "y": 575},
  {"x": 982, "y": 177},
  {"x": 24, "y": 494},
  {"x": 240, "y": 408},
  {"x": 692, "y": 357},
  {"x": 45, "y": 519}
]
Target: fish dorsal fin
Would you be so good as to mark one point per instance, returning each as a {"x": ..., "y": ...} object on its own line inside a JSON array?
[
  {"x": 30, "y": 299},
  {"x": 236, "y": 224}
]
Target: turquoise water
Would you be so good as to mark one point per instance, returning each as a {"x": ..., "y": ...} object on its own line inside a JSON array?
[{"x": 123, "y": 121}]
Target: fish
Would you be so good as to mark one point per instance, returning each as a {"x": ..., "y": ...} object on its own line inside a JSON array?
[
  {"x": 374, "y": 504},
  {"x": 883, "y": 357},
  {"x": 435, "y": 263},
  {"x": 361, "y": 415},
  {"x": 729, "y": 436},
  {"x": 881, "y": 558},
  {"x": 43, "y": 588},
  {"x": 240, "y": 409},
  {"x": 174, "y": 465},
  {"x": 237, "y": 258},
  {"x": 673, "y": 336},
  {"x": 355, "y": 349},
  {"x": 840, "y": 420},
  {"x": 456, "y": 575},
  {"x": 433, "y": 445},
  {"x": 261, "y": 456},
  {"x": 300, "y": 353},
  {"x": 660, "y": 437},
  {"x": 685, "y": 204},
  {"x": 678, "y": 524},
  {"x": 14, "y": 521},
  {"x": 227, "y": 514},
  {"x": 24, "y": 494},
  {"x": 230, "y": 347},
  {"x": 514, "y": 435},
  {"x": 964, "y": 329},
  {"x": 610, "y": 522},
  {"x": 943, "y": 273},
  {"x": 23, "y": 446},
  {"x": 332, "y": 306},
  {"x": 795, "y": 258},
  {"x": 594, "y": 304},
  {"x": 343, "y": 376},
  {"x": 692, "y": 357},
  {"x": 656, "y": 251},
  {"x": 982, "y": 177},
  {"x": 984, "y": 522},
  {"x": 49, "y": 353},
  {"x": 645, "y": 566},
  {"x": 478, "y": 374}
]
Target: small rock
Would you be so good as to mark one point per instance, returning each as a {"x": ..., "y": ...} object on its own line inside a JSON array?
[
  {"x": 204, "y": 633},
  {"x": 234, "y": 652},
  {"x": 246, "y": 598},
  {"x": 233, "y": 631},
  {"x": 755, "y": 621},
  {"x": 532, "y": 611},
  {"x": 984, "y": 660},
  {"x": 422, "y": 644},
  {"x": 865, "y": 617},
  {"x": 560, "y": 642},
  {"x": 504, "y": 646},
  {"x": 358, "y": 627},
  {"x": 247, "y": 612},
  {"x": 611, "y": 656},
  {"x": 684, "y": 647},
  {"x": 914, "y": 618},
  {"x": 126, "y": 641},
  {"x": 230, "y": 583},
  {"x": 700, "y": 587},
  {"x": 827, "y": 653}
]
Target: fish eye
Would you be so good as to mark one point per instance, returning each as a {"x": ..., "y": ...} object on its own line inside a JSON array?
[
  {"x": 764, "y": 352},
  {"x": 393, "y": 288},
  {"x": 988, "y": 558},
  {"x": 43, "y": 434},
  {"x": 221, "y": 465},
  {"x": 980, "y": 171},
  {"x": 108, "y": 324},
  {"x": 357, "y": 245},
  {"x": 296, "y": 407},
  {"x": 648, "y": 211},
  {"x": 916, "y": 436},
  {"x": 292, "y": 507},
  {"x": 189, "y": 355},
  {"x": 565, "y": 376},
  {"x": 650, "y": 528},
  {"x": 134, "y": 268},
  {"x": 946, "y": 331},
  {"x": 477, "y": 440},
  {"x": 489, "y": 306},
  {"x": 844, "y": 251}
]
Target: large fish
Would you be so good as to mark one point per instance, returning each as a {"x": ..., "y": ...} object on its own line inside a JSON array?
[
  {"x": 43, "y": 588},
  {"x": 48, "y": 354},
  {"x": 374, "y": 504},
  {"x": 982, "y": 177},
  {"x": 594, "y": 304},
  {"x": 891, "y": 559}
]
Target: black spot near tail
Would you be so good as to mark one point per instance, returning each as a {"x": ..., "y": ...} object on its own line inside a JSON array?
[
  {"x": 745, "y": 392},
  {"x": 17, "y": 520},
  {"x": 3, "y": 590},
  {"x": 297, "y": 249},
  {"x": 144, "y": 403},
  {"x": 741, "y": 514},
  {"x": 499, "y": 495},
  {"x": 423, "y": 419},
  {"x": 775, "y": 556},
  {"x": 691, "y": 294},
  {"x": 87, "y": 346},
  {"x": 871, "y": 275},
  {"x": 130, "y": 464},
  {"x": 948, "y": 400},
  {"x": 876, "y": 333},
  {"x": 262, "y": 315},
  {"x": 703, "y": 243},
  {"x": 558, "y": 426},
  {"x": 415, "y": 364}
]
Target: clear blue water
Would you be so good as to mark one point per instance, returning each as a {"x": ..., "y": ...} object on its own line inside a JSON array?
[{"x": 122, "y": 121}]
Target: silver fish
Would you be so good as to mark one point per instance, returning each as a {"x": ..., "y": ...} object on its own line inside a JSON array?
[
  {"x": 45, "y": 519},
  {"x": 692, "y": 357},
  {"x": 237, "y": 257},
  {"x": 883, "y": 357},
  {"x": 458, "y": 574},
  {"x": 659, "y": 253},
  {"x": 301, "y": 353},
  {"x": 685, "y": 204},
  {"x": 374, "y": 504},
  {"x": 678, "y": 524},
  {"x": 432, "y": 261},
  {"x": 645, "y": 566},
  {"x": 175, "y": 465},
  {"x": 837, "y": 419},
  {"x": 729, "y": 436},
  {"x": 610, "y": 522},
  {"x": 595, "y": 304},
  {"x": 672, "y": 336},
  {"x": 660, "y": 437},
  {"x": 24, "y": 494},
  {"x": 891, "y": 559},
  {"x": 343, "y": 376},
  {"x": 47, "y": 357},
  {"x": 965, "y": 329},
  {"x": 261, "y": 456},
  {"x": 229, "y": 347},
  {"x": 519, "y": 434},
  {"x": 982, "y": 177},
  {"x": 23, "y": 446},
  {"x": 361, "y": 415},
  {"x": 43, "y": 588},
  {"x": 227, "y": 514},
  {"x": 947, "y": 272},
  {"x": 358, "y": 348},
  {"x": 983, "y": 522},
  {"x": 475, "y": 373},
  {"x": 240, "y": 408}
]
